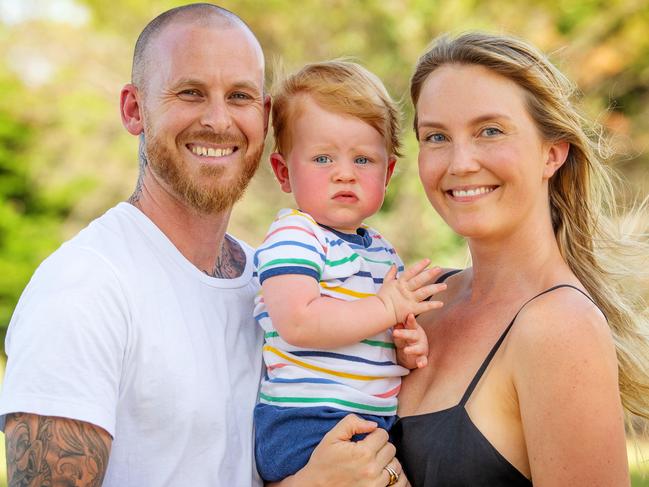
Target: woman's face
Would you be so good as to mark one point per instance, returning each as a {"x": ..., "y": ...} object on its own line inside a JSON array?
[{"x": 482, "y": 161}]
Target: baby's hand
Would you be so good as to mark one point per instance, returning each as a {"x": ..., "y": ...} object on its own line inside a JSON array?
[
  {"x": 412, "y": 344},
  {"x": 406, "y": 295}
]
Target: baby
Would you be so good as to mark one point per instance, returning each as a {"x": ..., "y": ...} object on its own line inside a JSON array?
[{"x": 330, "y": 292}]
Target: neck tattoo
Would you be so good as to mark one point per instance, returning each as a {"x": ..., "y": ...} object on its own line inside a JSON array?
[{"x": 230, "y": 262}]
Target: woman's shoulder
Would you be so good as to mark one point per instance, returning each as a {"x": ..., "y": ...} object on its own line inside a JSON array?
[{"x": 561, "y": 327}]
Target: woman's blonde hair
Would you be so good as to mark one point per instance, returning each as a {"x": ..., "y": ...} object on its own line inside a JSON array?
[
  {"x": 581, "y": 193},
  {"x": 340, "y": 87}
]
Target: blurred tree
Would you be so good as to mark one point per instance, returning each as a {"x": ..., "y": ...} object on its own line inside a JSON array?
[{"x": 64, "y": 157}]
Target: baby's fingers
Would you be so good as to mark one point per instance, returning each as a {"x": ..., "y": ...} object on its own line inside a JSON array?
[
  {"x": 426, "y": 291},
  {"x": 391, "y": 274},
  {"x": 423, "y": 306},
  {"x": 415, "y": 269},
  {"x": 406, "y": 335},
  {"x": 419, "y": 348},
  {"x": 425, "y": 277}
]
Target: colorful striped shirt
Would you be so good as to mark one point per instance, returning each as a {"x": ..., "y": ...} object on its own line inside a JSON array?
[{"x": 363, "y": 377}]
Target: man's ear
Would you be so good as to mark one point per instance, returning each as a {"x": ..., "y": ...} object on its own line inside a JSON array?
[
  {"x": 556, "y": 156},
  {"x": 280, "y": 168},
  {"x": 392, "y": 161},
  {"x": 267, "y": 104},
  {"x": 131, "y": 109}
]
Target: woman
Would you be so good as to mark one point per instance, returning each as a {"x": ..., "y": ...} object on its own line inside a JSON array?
[{"x": 506, "y": 163}]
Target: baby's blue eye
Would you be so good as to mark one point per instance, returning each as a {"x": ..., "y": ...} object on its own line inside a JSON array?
[
  {"x": 362, "y": 160},
  {"x": 322, "y": 159}
]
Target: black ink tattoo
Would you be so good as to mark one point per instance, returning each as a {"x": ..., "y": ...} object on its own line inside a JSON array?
[
  {"x": 137, "y": 194},
  {"x": 45, "y": 451},
  {"x": 231, "y": 260}
]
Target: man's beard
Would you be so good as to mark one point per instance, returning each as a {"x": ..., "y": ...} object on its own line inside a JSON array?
[{"x": 205, "y": 192}]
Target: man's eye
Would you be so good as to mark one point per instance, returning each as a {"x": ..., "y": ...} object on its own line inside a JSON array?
[
  {"x": 190, "y": 92},
  {"x": 322, "y": 159},
  {"x": 241, "y": 96},
  {"x": 362, "y": 160}
]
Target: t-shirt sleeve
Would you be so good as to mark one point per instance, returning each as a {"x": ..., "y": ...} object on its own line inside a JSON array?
[
  {"x": 66, "y": 341},
  {"x": 293, "y": 245}
]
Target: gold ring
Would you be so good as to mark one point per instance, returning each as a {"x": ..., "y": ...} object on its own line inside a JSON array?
[{"x": 394, "y": 476}]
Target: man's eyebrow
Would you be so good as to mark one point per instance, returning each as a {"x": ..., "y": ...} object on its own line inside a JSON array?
[
  {"x": 247, "y": 85},
  {"x": 239, "y": 85},
  {"x": 188, "y": 82}
]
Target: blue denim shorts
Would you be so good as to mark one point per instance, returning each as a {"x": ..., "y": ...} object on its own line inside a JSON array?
[{"x": 286, "y": 437}]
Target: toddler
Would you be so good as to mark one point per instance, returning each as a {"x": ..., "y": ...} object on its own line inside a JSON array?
[{"x": 330, "y": 295}]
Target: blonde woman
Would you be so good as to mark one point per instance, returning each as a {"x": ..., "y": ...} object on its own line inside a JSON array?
[{"x": 536, "y": 352}]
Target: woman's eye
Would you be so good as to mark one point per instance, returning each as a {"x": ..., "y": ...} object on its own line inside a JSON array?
[
  {"x": 491, "y": 131},
  {"x": 362, "y": 160},
  {"x": 436, "y": 138},
  {"x": 322, "y": 159}
]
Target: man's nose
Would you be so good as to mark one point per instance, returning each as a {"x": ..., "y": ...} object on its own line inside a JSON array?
[{"x": 216, "y": 115}]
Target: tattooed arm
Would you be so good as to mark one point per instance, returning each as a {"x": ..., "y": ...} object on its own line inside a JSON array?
[{"x": 56, "y": 452}]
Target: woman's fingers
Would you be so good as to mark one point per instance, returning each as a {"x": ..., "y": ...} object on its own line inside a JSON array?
[
  {"x": 349, "y": 426},
  {"x": 391, "y": 469}
]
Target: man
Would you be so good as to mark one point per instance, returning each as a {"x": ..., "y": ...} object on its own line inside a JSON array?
[{"x": 133, "y": 356}]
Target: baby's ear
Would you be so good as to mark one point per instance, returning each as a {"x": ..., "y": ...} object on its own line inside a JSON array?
[
  {"x": 280, "y": 168},
  {"x": 392, "y": 161}
]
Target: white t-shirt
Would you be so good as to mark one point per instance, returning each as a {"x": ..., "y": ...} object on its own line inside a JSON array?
[{"x": 118, "y": 329}]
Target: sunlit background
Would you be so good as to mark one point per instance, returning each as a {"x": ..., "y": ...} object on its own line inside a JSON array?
[{"x": 65, "y": 158}]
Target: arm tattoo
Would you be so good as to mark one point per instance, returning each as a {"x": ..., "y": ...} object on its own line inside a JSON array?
[
  {"x": 44, "y": 451},
  {"x": 231, "y": 260}
]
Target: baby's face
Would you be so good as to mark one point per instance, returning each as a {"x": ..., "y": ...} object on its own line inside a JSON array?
[{"x": 338, "y": 167}]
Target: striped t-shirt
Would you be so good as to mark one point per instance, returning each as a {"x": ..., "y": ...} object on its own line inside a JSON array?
[{"x": 363, "y": 377}]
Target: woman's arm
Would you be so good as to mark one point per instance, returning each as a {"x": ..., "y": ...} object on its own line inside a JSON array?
[
  {"x": 341, "y": 462},
  {"x": 566, "y": 378},
  {"x": 305, "y": 318}
]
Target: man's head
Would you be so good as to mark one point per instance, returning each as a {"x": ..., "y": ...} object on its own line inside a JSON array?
[{"x": 197, "y": 100}]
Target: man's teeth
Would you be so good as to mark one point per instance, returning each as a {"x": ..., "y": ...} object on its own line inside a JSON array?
[
  {"x": 458, "y": 193},
  {"x": 210, "y": 152}
]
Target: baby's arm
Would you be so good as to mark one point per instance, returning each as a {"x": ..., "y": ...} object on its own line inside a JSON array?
[
  {"x": 305, "y": 318},
  {"x": 412, "y": 344}
]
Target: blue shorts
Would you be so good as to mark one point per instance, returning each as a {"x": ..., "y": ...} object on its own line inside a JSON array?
[{"x": 286, "y": 437}]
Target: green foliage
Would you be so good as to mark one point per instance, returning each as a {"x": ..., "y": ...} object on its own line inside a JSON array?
[
  {"x": 29, "y": 228},
  {"x": 64, "y": 157}
]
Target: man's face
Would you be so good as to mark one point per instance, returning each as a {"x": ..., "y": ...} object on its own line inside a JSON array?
[{"x": 204, "y": 113}]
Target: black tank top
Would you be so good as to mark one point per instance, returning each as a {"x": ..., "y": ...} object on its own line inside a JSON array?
[{"x": 445, "y": 449}]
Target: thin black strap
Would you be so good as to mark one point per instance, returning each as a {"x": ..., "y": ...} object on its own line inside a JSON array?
[
  {"x": 495, "y": 348},
  {"x": 446, "y": 275}
]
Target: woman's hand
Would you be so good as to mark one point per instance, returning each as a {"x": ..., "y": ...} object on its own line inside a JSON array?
[{"x": 341, "y": 462}]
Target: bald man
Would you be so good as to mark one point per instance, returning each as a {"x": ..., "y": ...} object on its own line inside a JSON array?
[{"x": 133, "y": 356}]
